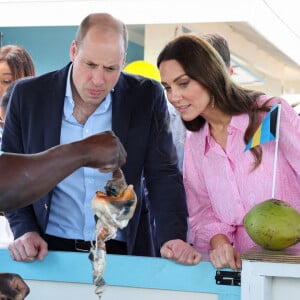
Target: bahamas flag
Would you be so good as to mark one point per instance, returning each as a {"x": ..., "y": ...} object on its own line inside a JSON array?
[{"x": 267, "y": 129}]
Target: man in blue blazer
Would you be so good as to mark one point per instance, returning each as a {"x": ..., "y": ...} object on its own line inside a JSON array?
[{"x": 90, "y": 95}]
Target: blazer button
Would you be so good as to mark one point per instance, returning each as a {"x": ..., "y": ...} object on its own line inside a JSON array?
[{"x": 46, "y": 206}]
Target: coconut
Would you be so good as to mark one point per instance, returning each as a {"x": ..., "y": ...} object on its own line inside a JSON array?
[{"x": 273, "y": 224}]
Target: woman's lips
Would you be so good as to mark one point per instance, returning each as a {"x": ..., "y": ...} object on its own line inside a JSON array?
[{"x": 182, "y": 108}]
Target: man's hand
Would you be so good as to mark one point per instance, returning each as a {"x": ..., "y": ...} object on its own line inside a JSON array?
[
  {"x": 28, "y": 247},
  {"x": 181, "y": 252},
  {"x": 12, "y": 287}
]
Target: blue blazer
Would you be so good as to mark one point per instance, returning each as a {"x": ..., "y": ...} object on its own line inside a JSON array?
[{"x": 140, "y": 119}]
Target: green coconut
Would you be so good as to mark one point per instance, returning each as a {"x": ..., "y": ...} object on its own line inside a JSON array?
[{"x": 273, "y": 224}]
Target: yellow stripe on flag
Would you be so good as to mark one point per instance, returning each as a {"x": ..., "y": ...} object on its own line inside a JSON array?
[
  {"x": 256, "y": 137},
  {"x": 267, "y": 130}
]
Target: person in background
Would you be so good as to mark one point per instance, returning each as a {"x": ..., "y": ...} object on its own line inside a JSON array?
[
  {"x": 4, "y": 101},
  {"x": 89, "y": 95},
  {"x": 176, "y": 124},
  {"x": 222, "y": 181},
  {"x": 221, "y": 45},
  {"x": 43, "y": 171},
  {"x": 15, "y": 63}
]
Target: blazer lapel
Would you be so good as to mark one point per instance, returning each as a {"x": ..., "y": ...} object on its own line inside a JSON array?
[
  {"x": 54, "y": 111},
  {"x": 121, "y": 110}
]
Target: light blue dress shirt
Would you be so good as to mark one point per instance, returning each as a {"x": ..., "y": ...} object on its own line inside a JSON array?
[{"x": 71, "y": 214}]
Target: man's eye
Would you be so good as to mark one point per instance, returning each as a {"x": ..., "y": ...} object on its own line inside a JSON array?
[
  {"x": 110, "y": 69},
  {"x": 90, "y": 65}
]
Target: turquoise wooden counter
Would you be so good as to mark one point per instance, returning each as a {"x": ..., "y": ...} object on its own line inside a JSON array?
[{"x": 68, "y": 275}]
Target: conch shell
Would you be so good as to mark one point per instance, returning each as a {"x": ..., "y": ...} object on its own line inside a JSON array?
[{"x": 113, "y": 210}]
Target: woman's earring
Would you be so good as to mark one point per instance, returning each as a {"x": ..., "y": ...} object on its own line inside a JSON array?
[{"x": 212, "y": 102}]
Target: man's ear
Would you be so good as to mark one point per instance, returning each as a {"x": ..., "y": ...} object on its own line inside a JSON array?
[{"x": 73, "y": 50}]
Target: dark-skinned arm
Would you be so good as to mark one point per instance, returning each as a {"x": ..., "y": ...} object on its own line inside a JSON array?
[{"x": 26, "y": 177}]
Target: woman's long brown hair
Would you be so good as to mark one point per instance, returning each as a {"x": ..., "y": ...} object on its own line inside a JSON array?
[{"x": 203, "y": 63}]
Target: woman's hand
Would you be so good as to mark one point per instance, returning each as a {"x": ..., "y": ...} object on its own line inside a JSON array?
[{"x": 223, "y": 253}]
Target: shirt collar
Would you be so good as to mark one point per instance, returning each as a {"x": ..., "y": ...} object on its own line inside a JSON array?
[{"x": 237, "y": 123}]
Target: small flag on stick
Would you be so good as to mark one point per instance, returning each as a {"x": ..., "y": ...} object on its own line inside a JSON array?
[{"x": 267, "y": 130}]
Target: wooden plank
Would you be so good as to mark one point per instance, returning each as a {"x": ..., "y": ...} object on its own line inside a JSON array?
[{"x": 289, "y": 255}]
